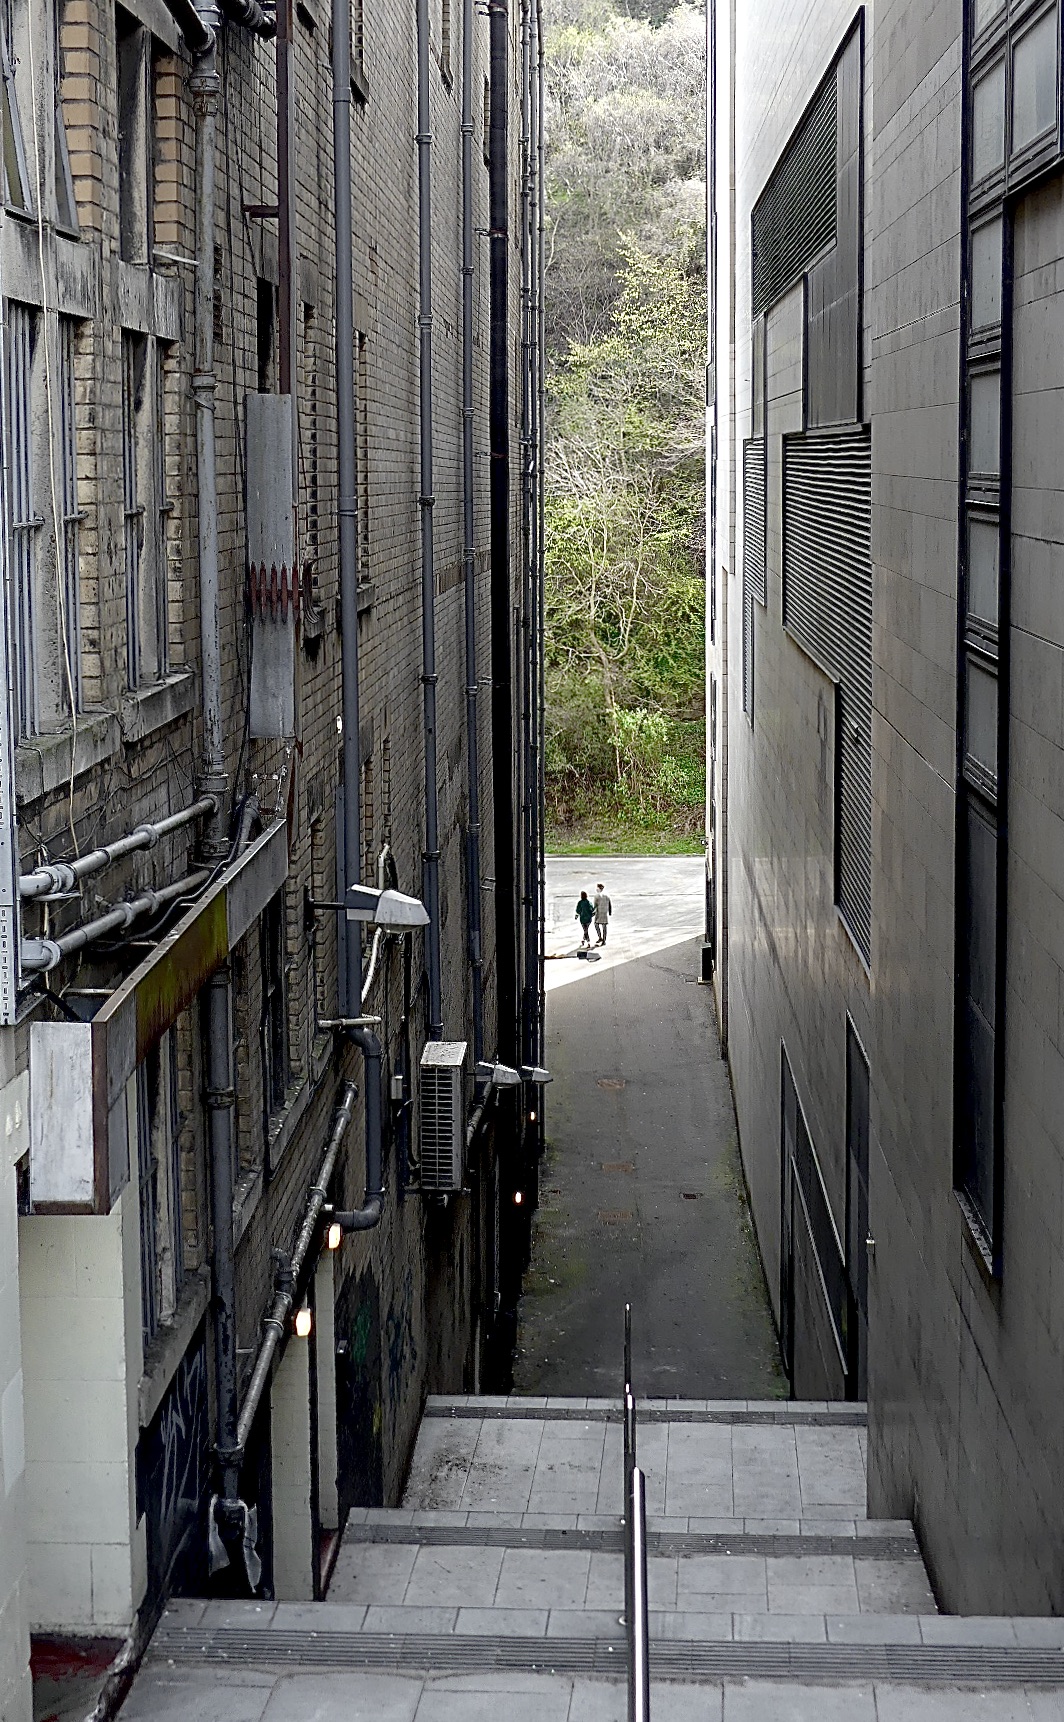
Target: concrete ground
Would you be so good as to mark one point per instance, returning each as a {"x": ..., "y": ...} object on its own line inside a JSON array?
[{"x": 641, "y": 1194}]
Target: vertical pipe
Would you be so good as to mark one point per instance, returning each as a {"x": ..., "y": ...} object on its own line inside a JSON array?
[
  {"x": 286, "y": 249},
  {"x": 529, "y": 839},
  {"x": 220, "y": 1099},
  {"x": 347, "y": 488},
  {"x": 473, "y": 886},
  {"x": 220, "y": 1096},
  {"x": 347, "y": 512},
  {"x": 501, "y": 580},
  {"x": 205, "y": 85},
  {"x": 431, "y": 858},
  {"x": 541, "y": 661}
]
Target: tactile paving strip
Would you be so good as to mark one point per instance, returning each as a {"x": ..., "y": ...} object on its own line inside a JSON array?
[{"x": 961, "y": 1665}]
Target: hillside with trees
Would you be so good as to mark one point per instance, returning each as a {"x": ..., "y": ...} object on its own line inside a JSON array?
[{"x": 625, "y": 315}]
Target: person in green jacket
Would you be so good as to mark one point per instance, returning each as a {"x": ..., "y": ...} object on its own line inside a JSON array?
[{"x": 585, "y": 914}]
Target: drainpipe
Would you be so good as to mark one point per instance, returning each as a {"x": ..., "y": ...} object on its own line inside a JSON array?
[
  {"x": 540, "y": 575},
  {"x": 426, "y": 500},
  {"x": 292, "y": 1266},
  {"x": 347, "y": 510},
  {"x": 501, "y": 585},
  {"x": 473, "y": 886},
  {"x": 220, "y": 1094},
  {"x": 529, "y": 748}
]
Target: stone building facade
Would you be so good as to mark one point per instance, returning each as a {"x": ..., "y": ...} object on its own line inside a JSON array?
[
  {"x": 887, "y": 746},
  {"x": 140, "y": 315}
]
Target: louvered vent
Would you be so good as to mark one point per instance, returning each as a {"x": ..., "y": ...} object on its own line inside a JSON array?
[
  {"x": 794, "y": 218},
  {"x": 827, "y": 606},
  {"x": 442, "y": 1115},
  {"x": 754, "y": 517},
  {"x": 748, "y": 652}
]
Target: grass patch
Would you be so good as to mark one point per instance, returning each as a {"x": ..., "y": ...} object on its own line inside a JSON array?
[{"x": 599, "y": 840}]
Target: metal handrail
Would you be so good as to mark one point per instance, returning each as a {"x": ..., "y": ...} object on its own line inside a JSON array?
[{"x": 635, "y": 1550}]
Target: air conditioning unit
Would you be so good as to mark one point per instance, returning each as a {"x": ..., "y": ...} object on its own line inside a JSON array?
[{"x": 443, "y": 1116}]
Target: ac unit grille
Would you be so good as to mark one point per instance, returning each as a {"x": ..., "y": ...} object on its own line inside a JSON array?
[{"x": 442, "y": 1122}]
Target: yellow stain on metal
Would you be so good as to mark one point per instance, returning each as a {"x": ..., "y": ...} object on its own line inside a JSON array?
[{"x": 175, "y": 978}]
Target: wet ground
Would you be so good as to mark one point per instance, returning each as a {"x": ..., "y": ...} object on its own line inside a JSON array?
[{"x": 641, "y": 1194}]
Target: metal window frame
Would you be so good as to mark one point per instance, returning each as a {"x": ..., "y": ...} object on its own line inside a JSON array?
[
  {"x": 990, "y": 646},
  {"x": 21, "y": 334},
  {"x": 69, "y": 527}
]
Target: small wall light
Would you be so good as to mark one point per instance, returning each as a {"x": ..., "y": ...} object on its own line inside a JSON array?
[
  {"x": 334, "y": 1235},
  {"x": 304, "y": 1322},
  {"x": 518, "y": 1198}
]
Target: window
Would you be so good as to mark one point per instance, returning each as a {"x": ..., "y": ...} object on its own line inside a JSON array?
[
  {"x": 65, "y": 205},
  {"x": 69, "y": 525},
  {"x": 265, "y": 326},
  {"x": 358, "y": 47},
  {"x": 857, "y": 1136},
  {"x": 986, "y": 275},
  {"x": 1034, "y": 82},
  {"x": 984, "y": 422},
  {"x": 16, "y": 177},
  {"x": 158, "y": 1153},
  {"x": 135, "y": 139},
  {"x": 273, "y": 1023},
  {"x": 363, "y": 457},
  {"x": 988, "y": 123},
  {"x": 145, "y": 509},
  {"x": 487, "y": 122},
  {"x": 445, "y": 42},
  {"x": 24, "y": 523}
]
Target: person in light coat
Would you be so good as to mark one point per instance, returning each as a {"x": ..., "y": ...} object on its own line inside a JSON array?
[{"x": 603, "y": 911}]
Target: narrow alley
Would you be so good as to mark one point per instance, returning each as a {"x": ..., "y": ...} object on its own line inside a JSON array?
[{"x": 641, "y": 1196}]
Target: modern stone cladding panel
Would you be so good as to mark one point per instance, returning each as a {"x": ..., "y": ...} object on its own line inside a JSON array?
[
  {"x": 793, "y": 971},
  {"x": 965, "y": 1376}
]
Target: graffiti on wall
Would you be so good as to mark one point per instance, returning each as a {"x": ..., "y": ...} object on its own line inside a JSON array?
[{"x": 173, "y": 1475}]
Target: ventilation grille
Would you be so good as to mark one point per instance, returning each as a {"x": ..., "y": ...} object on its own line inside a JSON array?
[
  {"x": 794, "y": 219},
  {"x": 442, "y": 1121},
  {"x": 827, "y": 605},
  {"x": 754, "y": 517}
]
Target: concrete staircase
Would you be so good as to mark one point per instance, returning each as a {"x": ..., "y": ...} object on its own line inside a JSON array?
[{"x": 500, "y": 1580}]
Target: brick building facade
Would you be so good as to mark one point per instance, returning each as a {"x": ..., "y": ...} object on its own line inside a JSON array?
[
  {"x": 886, "y": 739},
  {"x": 136, "y": 321}
]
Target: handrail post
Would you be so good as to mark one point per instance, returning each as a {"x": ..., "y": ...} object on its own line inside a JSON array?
[
  {"x": 635, "y": 1549},
  {"x": 638, "y": 1632}
]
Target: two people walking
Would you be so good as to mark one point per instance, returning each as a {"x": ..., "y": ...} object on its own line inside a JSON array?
[{"x": 598, "y": 911}]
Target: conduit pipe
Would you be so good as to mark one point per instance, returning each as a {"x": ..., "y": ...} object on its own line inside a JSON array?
[
  {"x": 220, "y": 1094},
  {"x": 529, "y": 749},
  {"x": 501, "y": 572},
  {"x": 426, "y": 501},
  {"x": 473, "y": 885},
  {"x": 541, "y": 681},
  {"x": 57, "y": 877},
  {"x": 252, "y": 16},
  {"x": 39, "y": 956},
  {"x": 198, "y": 34},
  {"x": 347, "y": 505},
  {"x": 288, "y": 1279}
]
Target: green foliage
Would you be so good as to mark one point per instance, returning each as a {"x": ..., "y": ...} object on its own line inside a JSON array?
[{"x": 625, "y": 488}]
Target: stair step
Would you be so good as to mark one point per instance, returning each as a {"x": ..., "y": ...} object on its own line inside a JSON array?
[
  {"x": 900, "y": 1656},
  {"x": 865, "y": 1539},
  {"x": 848, "y": 1414},
  {"x": 503, "y": 1574},
  {"x": 721, "y": 1467}
]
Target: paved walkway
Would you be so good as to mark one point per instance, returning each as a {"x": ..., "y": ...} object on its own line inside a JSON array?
[{"x": 641, "y": 1194}]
